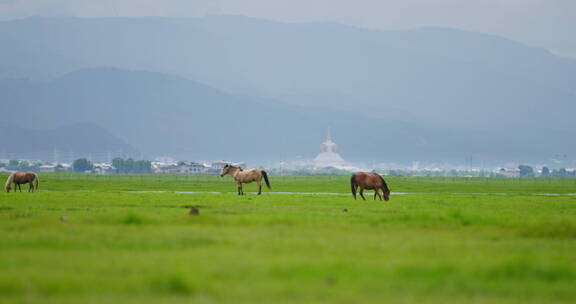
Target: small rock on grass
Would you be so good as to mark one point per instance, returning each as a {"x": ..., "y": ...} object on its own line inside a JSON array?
[{"x": 194, "y": 211}]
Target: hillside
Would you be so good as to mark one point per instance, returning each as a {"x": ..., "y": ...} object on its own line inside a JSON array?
[
  {"x": 162, "y": 114},
  {"x": 431, "y": 75},
  {"x": 80, "y": 139}
]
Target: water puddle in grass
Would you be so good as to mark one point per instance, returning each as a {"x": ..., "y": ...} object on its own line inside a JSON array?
[
  {"x": 555, "y": 194},
  {"x": 213, "y": 192},
  {"x": 368, "y": 193},
  {"x": 482, "y": 193},
  {"x": 336, "y": 194}
]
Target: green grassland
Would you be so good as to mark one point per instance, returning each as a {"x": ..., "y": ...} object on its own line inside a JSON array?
[{"x": 131, "y": 238}]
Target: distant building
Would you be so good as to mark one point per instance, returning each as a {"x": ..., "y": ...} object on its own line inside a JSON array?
[
  {"x": 182, "y": 168},
  {"x": 47, "y": 168},
  {"x": 103, "y": 168},
  {"x": 53, "y": 167},
  {"x": 63, "y": 167},
  {"x": 509, "y": 172},
  {"x": 328, "y": 156},
  {"x": 217, "y": 166},
  {"x": 194, "y": 168}
]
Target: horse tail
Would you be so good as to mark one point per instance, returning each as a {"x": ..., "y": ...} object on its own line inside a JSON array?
[
  {"x": 9, "y": 181},
  {"x": 353, "y": 184},
  {"x": 265, "y": 176},
  {"x": 37, "y": 180}
]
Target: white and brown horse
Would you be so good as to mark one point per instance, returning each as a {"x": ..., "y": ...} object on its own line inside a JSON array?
[
  {"x": 19, "y": 178},
  {"x": 369, "y": 181},
  {"x": 242, "y": 176}
]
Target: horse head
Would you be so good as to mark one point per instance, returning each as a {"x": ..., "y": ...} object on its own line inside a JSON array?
[
  {"x": 225, "y": 170},
  {"x": 386, "y": 194},
  {"x": 9, "y": 182}
]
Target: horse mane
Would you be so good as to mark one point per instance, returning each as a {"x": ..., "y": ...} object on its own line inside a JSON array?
[
  {"x": 383, "y": 182},
  {"x": 9, "y": 181}
]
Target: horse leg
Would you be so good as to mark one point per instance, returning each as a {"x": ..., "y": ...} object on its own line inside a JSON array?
[
  {"x": 380, "y": 195},
  {"x": 239, "y": 187},
  {"x": 259, "y": 182},
  {"x": 375, "y": 193},
  {"x": 31, "y": 187},
  {"x": 362, "y": 192},
  {"x": 19, "y": 187}
]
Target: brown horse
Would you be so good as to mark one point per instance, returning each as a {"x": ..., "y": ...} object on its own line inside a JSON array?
[
  {"x": 19, "y": 178},
  {"x": 369, "y": 181},
  {"x": 246, "y": 176}
]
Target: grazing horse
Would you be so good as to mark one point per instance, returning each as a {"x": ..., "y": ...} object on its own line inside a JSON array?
[
  {"x": 369, "y": 181},
  {"x": 246, "y": 176},
  {"x": 19, "y": 178}
]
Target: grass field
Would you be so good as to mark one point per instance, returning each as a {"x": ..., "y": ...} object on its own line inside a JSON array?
[{"x": 95, "y": 239}]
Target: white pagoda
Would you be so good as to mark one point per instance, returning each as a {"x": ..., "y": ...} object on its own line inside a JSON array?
[{"x": 328, "y": 157}]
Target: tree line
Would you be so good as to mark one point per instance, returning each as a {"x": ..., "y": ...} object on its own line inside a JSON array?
[
  {"x": 528, "y": 171},
  {"x": 120, "y": 165},
  {"x": 15, "y": 165},
  {"x": 131, "y": 166}
]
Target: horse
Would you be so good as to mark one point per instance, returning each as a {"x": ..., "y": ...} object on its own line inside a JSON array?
[
  {"x": 19, "y": 178},
  {"x": 242, "y": 176},
  {"x": 369, "y": 181}
]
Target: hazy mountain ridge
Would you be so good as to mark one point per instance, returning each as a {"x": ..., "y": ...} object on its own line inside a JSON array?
[
  {"x": 162, "y": 114},
  {"x": 81, "y": 138},
  {"x": 424, "y": 75},
  {"x": 458, "y": 93}
]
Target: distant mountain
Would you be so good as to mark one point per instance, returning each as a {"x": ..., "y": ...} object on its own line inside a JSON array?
[
  {"x": 80, "y": 138},
  {"x": 431, "y": 75},
  {"x": 162, "y": 114}
]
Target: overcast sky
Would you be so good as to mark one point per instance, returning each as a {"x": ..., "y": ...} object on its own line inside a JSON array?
[{"x": 546, "y": 23}]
